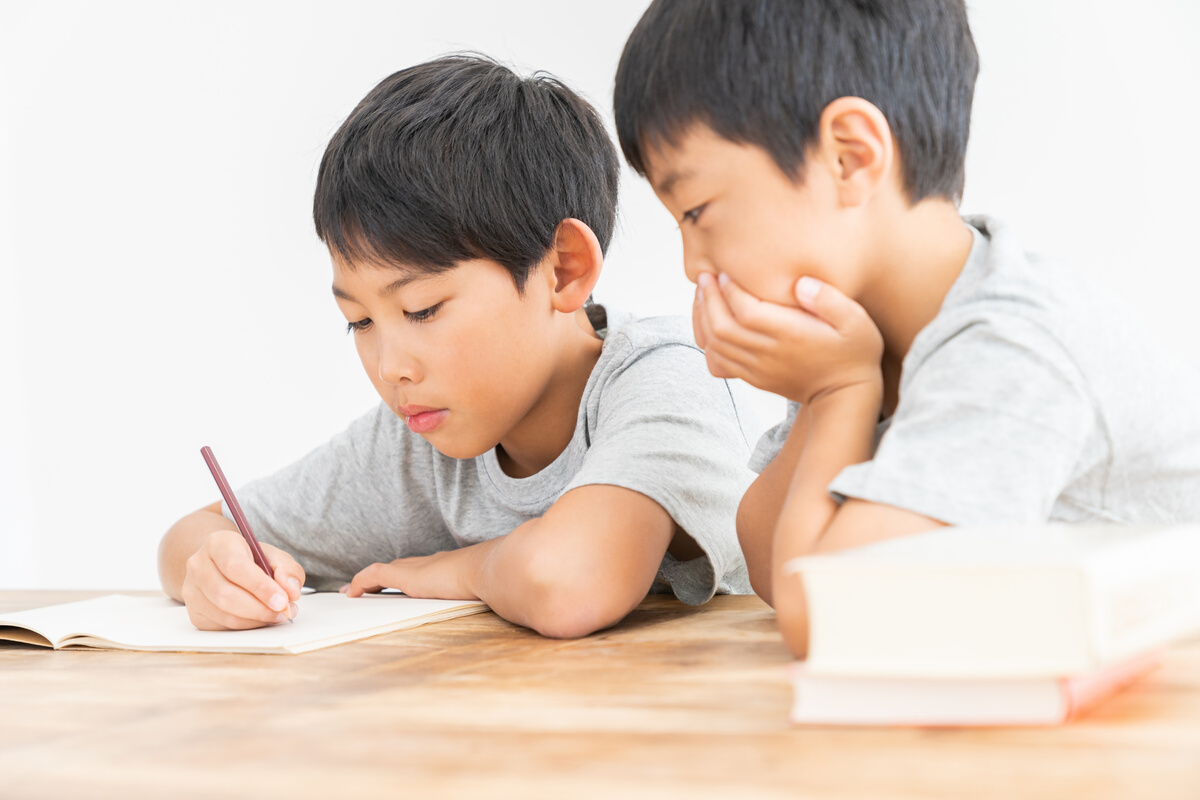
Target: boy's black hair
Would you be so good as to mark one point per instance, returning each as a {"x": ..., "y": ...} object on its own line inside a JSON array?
[
  {"x": 760, "y": 72},
  {"x": 460, "y": 158}
]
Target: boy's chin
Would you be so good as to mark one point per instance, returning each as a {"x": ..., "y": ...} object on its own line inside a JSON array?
[{"x": 447, "y": 446}]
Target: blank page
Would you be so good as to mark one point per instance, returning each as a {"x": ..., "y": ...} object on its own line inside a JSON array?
[{"x": 159, "y": 623}]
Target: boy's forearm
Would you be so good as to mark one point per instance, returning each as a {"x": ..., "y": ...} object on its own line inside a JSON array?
[
  {"x": 580, "y": 568},
  {"x": 759, "y": 509},
  {"x": 527, "y": 576},
  {"x": 525, "y": 579},
  {"x": 841, "y": 432},
  {"x": 499, "y": 573},
  {"x": 179, "y": 543}
]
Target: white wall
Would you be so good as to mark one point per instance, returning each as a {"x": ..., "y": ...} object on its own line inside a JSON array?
[{"x": 161, "y": 287}]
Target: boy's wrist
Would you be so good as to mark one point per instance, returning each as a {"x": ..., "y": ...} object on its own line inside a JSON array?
[
  {"x": 475, "y": 574},
  {"x": 863, "y": 397},
  {"x": 840, "y": 432}
]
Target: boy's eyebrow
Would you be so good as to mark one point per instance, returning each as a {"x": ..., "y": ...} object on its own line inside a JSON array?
[
  {"x": 395, "y": 285},
  {"x": 668, "y": 183}
]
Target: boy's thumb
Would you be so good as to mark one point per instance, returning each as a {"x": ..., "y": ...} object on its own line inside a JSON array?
[{"x": 823, "y": 301}]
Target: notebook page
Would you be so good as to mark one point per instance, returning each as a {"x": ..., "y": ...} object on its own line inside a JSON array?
[
  {"x": 55, "y": 622},
  {"x": 158, "y": 623}
]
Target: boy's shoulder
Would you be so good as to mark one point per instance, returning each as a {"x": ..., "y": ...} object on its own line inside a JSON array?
[
  {"x": 635, "y": 343},
  {"x": 1005, "y": 279},
  {"x": 1008, "y": 298},
  {"x": 650, "y": 365},
  {"x": 651, "y": 355},
  {"x": 1033, "y": 395},
  {"x": 627, "y": 332}
]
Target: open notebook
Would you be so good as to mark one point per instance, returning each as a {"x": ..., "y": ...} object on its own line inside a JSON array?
[{"x": 122, "y": 622}]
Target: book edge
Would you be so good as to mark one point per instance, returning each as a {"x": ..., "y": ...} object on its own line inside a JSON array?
[{"x": 90, "y": 642}]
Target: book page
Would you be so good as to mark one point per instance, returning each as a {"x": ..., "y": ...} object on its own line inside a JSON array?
[{"x": 159, "y": 623}]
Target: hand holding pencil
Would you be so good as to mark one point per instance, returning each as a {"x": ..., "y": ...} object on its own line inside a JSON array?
[{"x": 232, "y": 581}]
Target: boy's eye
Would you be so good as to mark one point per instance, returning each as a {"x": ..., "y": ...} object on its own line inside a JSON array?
[
  {"x": 424, "y": 314},
  {"x": 360, "y": 326},
  {"x": 693, "y": 215}
]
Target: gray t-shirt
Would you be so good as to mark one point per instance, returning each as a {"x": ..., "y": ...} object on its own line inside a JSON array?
[
  {"x": 1031, "y": 396},
  {"x": 651, "y": 419}
]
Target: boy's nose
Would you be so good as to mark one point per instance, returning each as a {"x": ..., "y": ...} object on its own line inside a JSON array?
[
  {"x": 396, "y": 366},
  {"x": 693, "y": 265},
  {"x": 695, "y": 260}
]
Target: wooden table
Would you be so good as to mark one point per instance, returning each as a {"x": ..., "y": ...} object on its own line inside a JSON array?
[{"x": 674, "y": 702}]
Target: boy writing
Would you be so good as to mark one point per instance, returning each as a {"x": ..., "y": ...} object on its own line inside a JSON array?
[
  {"x": 531, "y": 450},
  {"x": 812, "y": 152}
]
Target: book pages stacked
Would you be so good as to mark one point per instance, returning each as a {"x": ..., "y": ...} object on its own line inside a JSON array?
[{"x": 991, "y": 626}]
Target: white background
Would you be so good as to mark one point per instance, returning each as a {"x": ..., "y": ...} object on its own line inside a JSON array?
[{"x": 161, "y": 287}]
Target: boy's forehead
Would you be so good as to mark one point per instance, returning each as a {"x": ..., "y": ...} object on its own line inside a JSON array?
[
  {"x": 666, "y": 166},
  {"x": 670, "y": 163},
  {"x": 353, "y": 275}
]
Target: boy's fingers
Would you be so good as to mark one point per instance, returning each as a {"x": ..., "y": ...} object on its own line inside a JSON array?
[
  {"x": 728, "y": 351},
  {"x": 290, "y": 582},
  {"x": 726, "y": 359},
  {"x": 372, "y": 579},
  {"x": 724, "y": 326},
  {"x": 697, "y": 323},
  {"x": 232, "y": 558},
  {"x": 745, "y": 307},
  {"x": 288, "y": 572},
  {"x": 717, "y": 322},
  {"x": 827, "y": 303},
  {"x": 209, "y": 618},
  {"x": 209, "y": 595},
  {"x": 721, "y": 365},
  {"x": 768, "y": 320}
]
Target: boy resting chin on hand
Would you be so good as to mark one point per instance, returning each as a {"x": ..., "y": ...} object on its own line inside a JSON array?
[{"x": 812, "y": 152}]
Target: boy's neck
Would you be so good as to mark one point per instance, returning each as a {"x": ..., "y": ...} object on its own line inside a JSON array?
[
  {"x": 920, "y": 252},
  {"x": 547, "y": 429}
]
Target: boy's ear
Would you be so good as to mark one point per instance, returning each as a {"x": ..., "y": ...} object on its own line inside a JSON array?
[
  {"x": 575, "y": 260},
  {"x": 857, "y": 146}
]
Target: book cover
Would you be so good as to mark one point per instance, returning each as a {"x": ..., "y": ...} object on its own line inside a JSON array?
[{"x": 1005, "y": 602}]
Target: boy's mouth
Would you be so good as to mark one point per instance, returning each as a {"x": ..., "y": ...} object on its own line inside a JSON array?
[{"x": 422, "y": 419}]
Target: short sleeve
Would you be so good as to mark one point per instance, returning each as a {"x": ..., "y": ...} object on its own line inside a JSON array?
[
  {"x": 772, "y": 440},
  {"x": 990, "y": 428},
  {"x": 664, "y": 427},
  {"x": 348, "y": 504}
]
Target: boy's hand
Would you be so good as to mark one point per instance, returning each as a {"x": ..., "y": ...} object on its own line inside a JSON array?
[
  {"x": 826, "y": 344},
  {"x": 441, "y": 575},
  {"x": 225, "y": 590}
]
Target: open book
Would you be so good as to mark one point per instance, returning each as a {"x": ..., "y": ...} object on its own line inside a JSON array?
[{"x": 122, "y": 622}]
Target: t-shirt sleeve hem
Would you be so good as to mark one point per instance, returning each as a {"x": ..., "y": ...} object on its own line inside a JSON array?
[
  {"x": 693, "y": 581},
  {"x": 771, "y": 441},
  {"x": 864, "y": 482}
]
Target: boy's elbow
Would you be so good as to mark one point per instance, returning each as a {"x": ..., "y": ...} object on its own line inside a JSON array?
[
  {"x": 756, "y": 545},
  {"x": 793, "y": 626},
  {"x": 570, "y": 621},
  {"x": 760, "y": 584},
  {"x": 569, "y": 605}
]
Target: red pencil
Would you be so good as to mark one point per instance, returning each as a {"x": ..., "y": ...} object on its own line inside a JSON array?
[{"x": 238, "y": 517}]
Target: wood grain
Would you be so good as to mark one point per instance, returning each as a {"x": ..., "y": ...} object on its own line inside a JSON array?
[{"x": 673, "y": 702}]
